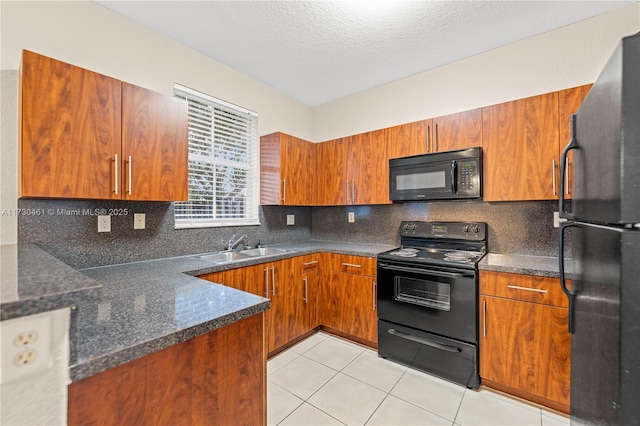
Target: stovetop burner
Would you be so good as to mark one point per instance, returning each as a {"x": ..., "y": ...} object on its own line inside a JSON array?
[{"x": 460, "y": 244}]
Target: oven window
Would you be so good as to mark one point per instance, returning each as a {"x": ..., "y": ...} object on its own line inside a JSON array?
[
  {"x": 425, "y": 293},
  {"x": 426, "y": 180}
]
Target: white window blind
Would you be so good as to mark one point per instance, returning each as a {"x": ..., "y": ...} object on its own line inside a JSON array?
[{"x": 223, "y": 164}]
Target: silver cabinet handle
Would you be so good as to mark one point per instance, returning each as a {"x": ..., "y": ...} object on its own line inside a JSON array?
[
  {"x": 273, "y": 280},
  {"x": 375, "y": 291},
  {"x": 266, "y": 282},
  {"x": 553, "y": 176},
  {"x": 353, "y": 265},
  {"x": 347, "y": 192},
  {"x": 116, "y": 178},
  {"x": 313, "y": 262},
  {"x": 537, "y": 290},
  {"x": 306, "y": 289},
  {"x": 130, "y": 170},
  {"x": 566, "y": 176},
  {"x": 353, "y": 191},
  {"x": 484, "y": 318},
  {"x": 284, "y": 190},
  {"x": 436, "y": 137},
  {"x": 428, "y": 138}
]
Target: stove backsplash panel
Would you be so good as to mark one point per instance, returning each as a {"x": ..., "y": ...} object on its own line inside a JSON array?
[{"x": 524, "y": 227}]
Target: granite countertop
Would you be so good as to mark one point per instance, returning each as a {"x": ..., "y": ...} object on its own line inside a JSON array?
[
  {"x": 523, "y": 264},
  {"x": 147, "y": 306},
  {"x": 32, "y": 281}
]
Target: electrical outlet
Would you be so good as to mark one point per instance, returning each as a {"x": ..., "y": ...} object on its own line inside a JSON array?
[
  {"x": 25, "y": 339},
  {"x": 26, "y": 347},
  {"x": 291, "y": 219},
  {"x": 104, "y": 223},
  {"x": 352, "y": 217},
  {"x": 138, "y": 220}
]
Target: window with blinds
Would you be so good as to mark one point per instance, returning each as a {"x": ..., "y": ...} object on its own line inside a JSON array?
[{"x": 223, "y": 164}]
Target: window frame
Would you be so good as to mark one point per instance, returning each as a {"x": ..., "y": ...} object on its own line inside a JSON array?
[{"x": 252, "y": 196}]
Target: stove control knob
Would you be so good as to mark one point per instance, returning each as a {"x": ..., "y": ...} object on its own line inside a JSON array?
[
  {"x": 406, "y": 226},
  {"x": 414, "y": 227},
  {"x": 475, "y": 229},
  {"x": 465, "y": 229}
]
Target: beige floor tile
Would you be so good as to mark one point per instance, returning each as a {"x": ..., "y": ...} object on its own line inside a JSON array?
[
  {"x": 397, "y": 412},
  {"x": 280, "y": 360},
  {"x": 347, "y": 399},
  {"x": 431, "y": 393},
  {"x": 482, "y": 408},
  {"x": 302, "y": 377},
  {"x": 309, "y": 342},
  {"x": 334, "y": 353},
  {"x": 370, "y": 368},
  {"x": 554, "y": 418},
  {"x": 280, "y": 403},
  {"x": 513, "y": 400},
  {"x": 308, "y": 415}
]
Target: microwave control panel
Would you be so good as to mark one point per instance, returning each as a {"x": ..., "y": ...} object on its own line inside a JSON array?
[{"x": 468, "y": 176}]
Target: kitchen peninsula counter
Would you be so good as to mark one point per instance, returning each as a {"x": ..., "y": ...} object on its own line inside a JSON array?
[{"x": 544, "y": 266}]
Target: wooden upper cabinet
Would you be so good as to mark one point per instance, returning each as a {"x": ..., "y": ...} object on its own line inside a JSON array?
[
  {"x": 569, "y": 101},
  {"x": 367, "y": 168},
  {"x": 286, "y": 165},
  {"x": 85, "y": 135},
  {"x": 154, "y": 146},
  {"x": 520, "y": 149},
  {"x": 331, "y": 173},
  {"x": 457, "y": 131},
  {"x": 409, "y": 139},
  {"x": 70, "y": 130}
]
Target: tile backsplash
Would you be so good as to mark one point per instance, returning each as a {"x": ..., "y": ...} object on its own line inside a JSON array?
[
  {"x": 68, "y": 230},
  {"x": 65, "y": 229},
  {"x": 524, "y": 227}
]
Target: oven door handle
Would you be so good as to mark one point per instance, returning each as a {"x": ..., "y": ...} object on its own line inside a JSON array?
[
  {"x": 422, "y": 341},
  {"x": 421, "y": 271}
]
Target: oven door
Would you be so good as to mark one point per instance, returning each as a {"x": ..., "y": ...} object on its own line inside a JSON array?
[{"x": 435, "y": 299}]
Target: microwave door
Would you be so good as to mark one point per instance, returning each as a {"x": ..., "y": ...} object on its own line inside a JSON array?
[{"x": 424, "y": 181}]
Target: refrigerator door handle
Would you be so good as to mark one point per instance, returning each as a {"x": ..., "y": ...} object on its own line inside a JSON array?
[
  {"x": 571, "y": 294},
  {"x": 573, "y": 144}
]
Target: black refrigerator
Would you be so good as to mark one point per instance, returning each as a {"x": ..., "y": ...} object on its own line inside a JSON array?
[{"x": 603, "y": 233}]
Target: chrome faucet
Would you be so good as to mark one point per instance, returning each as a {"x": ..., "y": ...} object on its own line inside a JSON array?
[{"x": 231, "y": 244}]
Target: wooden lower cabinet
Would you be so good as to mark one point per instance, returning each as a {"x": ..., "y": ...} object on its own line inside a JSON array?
[
  {"x": 348, "y": 298},
  {"x": 524, "y": 342},
  {"x": 218, "y": 378}
]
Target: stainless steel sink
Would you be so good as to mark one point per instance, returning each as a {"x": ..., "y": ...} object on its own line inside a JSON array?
[
  {"x": 224, "y": 257},
  {"x": 263, "y": 251}
]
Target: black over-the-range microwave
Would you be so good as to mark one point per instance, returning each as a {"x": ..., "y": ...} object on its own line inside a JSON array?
[{"x": 448, "y": 175}]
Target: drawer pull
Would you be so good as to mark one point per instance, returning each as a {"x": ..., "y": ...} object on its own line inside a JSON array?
[
  {"x": 313, "y": 262},
  {"x": 353, "y": 265},
  {"x": 537, "y": 290}
]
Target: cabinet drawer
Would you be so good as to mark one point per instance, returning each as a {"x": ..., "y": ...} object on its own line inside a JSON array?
[
  {"x": 528, "y": 288},
  {"x": 354, "y": 264},
  {"x": 310, "y": 262}
]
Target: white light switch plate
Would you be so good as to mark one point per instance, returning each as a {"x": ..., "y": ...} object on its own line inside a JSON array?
[{"x": 291, "y": 219}]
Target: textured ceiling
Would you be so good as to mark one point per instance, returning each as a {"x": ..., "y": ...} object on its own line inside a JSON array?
[{"x": 321, "y": 51}]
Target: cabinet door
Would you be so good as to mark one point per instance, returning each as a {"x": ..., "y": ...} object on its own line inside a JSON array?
[
  {"x": 296, "y": 162},
  {"x": 569, "y": 102},
  {"x": 409, "y": 139},
  {"x": 287, "y": 303},
  {"x": 525, "y": 346},
  {"x": 331, "y": 173},
  {"x": 270, "y": 169},
  {"x": 154, "y": 146},
  {"x": 354, "y": 300},
  {"x": 70, "y": 130},
  {"x": 366, "y": 159},
  {"x": 457, "y": 131},
  {"x": 520, "y": 146}
]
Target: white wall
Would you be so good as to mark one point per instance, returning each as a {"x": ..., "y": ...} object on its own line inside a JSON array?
[{"x": 570, "y": 56}]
